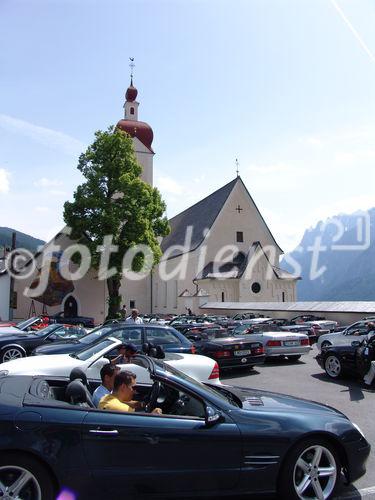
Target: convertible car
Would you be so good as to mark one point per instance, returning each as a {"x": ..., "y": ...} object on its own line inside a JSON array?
[
  {"x": 351, "y": 360},
  {"x": 208, "y": 441}
]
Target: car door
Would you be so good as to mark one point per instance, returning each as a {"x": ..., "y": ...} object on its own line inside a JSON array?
[{"x": 146, "y": 453}]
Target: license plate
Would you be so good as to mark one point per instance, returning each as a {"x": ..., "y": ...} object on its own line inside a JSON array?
[
  {"x": 291, "y": 343},
  {"x": 242, "y": 353}
]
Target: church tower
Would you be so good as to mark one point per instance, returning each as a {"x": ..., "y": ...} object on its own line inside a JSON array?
[{"x": 140, "y": 131}]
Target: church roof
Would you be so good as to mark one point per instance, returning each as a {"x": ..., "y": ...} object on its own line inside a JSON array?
[{"x": 200, "y": 217}]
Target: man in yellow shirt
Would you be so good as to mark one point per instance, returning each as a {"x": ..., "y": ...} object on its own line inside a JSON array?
[{"x": 122, "y": 395}]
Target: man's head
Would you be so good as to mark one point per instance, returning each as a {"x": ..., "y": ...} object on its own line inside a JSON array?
[
  {"x": 123, "y": 385},
  {"x": 107, "y": 374},
  {"x": 370, "y": 326},
  {"x": 135, "y": 313}
]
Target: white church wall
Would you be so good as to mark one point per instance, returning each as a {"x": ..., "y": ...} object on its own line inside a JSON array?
[{"x": 145, "y": 158}]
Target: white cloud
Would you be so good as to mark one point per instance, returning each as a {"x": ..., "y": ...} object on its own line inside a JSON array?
[
  {"x": 4, "y": 181},
  {"x": 46, "y": 136},
  {"x": 168, "y": 185},
  {"x": 45, "y": 183}
]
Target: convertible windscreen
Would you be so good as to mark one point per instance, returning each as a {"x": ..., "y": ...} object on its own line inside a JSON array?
[{"x": 85, "y": 354}]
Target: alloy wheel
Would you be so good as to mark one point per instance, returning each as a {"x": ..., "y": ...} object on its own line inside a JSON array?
[
  {"x": 315, "y": 473},
  {"x": 17, "y": 483},
  {"x": 12, "y": 353},
  {"x": 333, "y": 366}
]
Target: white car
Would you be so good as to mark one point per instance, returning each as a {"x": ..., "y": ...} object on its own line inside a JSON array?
[
  {"x": 356, "y": 331},
  {"x": 92, "y": 358},
  {"x": 277, "y": 343},
  {"x": 321, "y": 327}
]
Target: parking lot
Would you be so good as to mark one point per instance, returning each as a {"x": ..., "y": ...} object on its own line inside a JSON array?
[{"x": 306, "y": 379}]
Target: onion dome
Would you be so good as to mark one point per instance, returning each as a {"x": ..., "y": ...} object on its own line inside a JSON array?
[
  {"x": 131, "y": 93},
  {"x": 141, "y": 130}
]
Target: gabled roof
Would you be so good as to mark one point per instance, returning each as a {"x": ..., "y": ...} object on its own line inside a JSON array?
[{"x": 200, "y": 217}]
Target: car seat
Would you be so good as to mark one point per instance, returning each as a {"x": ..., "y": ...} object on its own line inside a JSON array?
[{"x": 77, "y": 394}]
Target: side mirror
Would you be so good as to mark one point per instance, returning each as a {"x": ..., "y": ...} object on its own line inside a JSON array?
[
  {"x": 212, "y": 416},
  {"x": 160, "y": 354},
  {"x": 356, "y": 343}
]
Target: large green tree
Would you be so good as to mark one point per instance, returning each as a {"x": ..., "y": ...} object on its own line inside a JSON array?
[{"x": 115, "y": 201}]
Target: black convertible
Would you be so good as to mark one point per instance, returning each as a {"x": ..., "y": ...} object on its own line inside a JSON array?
[
  {"x": 228, "y": 350},
  {"x": 209, "y": 441},
  {"x": 19, "y": 345},
  {"x": 352, "y": 360}
]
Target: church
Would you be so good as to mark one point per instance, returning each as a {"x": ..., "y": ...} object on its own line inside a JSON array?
[{"x": 219, "y": 250}]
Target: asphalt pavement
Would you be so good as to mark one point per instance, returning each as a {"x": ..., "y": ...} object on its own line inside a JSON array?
[{"x": 306, "y": 379}]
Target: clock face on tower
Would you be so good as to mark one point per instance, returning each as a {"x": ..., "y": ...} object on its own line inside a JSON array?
[{"x": 255, "y": 287}]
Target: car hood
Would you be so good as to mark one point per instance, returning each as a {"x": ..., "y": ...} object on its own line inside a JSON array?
[{"x": 272, "y": 401}]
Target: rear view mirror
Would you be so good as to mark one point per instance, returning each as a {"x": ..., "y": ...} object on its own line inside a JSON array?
[
  {"x": 212, "y": 416},
  {"x": 356, "y": 343}
]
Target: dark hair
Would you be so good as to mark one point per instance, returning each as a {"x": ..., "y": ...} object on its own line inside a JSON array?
[
  {"x": 107, "y": 369},
  {"x": 124, "y": 377}
]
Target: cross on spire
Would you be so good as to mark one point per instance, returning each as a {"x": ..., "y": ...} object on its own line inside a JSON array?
[
  {"x": 237, "y": 165},
  {"x": 132, "y": 66}
]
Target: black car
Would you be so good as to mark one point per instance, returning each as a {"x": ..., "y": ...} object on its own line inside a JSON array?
[
  {"x": 227, "y": 350},
  {"x": 209, "y": 441},
  {"x": 19, "y": 345},
  {"x": 170, "y": 339},
  {"x": 74, "y": 320},
  {"x": 351, "y": 360}
]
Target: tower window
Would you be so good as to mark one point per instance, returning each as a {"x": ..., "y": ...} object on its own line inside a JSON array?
[
  {"x": 222, "y": 296},
  {"x": 239, "y": 237},
  {"x": 283, "y": 296},
  {"x": 132, "y": 111},
  {"x": 132, "y": 304},
  {"x": 255, "y": 287}
]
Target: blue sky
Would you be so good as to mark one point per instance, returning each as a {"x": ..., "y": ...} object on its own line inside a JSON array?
[{"x": 286, "y": 86}]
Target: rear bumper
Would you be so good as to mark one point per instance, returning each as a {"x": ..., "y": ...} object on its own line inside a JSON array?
[
  {"x": 240, "y": 361},
  {"x": 287, "y": 351}
]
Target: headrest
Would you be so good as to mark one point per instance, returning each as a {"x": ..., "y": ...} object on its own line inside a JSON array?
[
  {"x": 78, "y": 374},
  {"x": 76, "y": 392}
]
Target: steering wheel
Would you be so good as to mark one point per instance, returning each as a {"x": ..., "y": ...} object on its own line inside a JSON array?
[{"x": 152, "y": 399}]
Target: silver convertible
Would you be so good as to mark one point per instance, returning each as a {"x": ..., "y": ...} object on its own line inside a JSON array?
[
  {"x": 276, "y": 343},
  {"x": 356, "y": 331}
]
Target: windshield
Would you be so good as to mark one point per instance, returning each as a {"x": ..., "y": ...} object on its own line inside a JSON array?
[
  {"x": 46, "y": 330},
  {"x": 26, "y": 323},
  {"x": 86, "y": 353},
  {"x": 207, "y": 388}
]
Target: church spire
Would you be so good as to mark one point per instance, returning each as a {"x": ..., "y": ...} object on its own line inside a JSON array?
[{"x": 131, "y": 105}]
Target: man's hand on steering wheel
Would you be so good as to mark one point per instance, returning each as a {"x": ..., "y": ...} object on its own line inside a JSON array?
[{"x": 152, "y": 400}]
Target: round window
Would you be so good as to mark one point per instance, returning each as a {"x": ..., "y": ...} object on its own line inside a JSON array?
[{"x": 255, "y": 287}]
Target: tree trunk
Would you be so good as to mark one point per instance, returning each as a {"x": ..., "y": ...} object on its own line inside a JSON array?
[{"x": 114, "y": 297}]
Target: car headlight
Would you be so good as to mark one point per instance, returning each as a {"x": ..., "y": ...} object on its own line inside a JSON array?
[
  {"x": 359, "y": 430},
  {"x": 4, "y": 373}
]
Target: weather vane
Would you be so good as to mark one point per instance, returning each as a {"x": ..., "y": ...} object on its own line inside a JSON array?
[
  {"x": 132, "y": 65},
  {"x": 237, "y": 165}
]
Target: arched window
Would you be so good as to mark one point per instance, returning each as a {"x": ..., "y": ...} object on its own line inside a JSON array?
[{"x": 132, "y": 111}]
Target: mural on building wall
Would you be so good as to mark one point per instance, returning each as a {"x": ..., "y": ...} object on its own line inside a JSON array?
[{"x": 58, "y": 287}]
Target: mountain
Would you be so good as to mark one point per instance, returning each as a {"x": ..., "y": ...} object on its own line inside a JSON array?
[
  {"x": 342, "y": 266},
  {"x": 22, "y": 240}
]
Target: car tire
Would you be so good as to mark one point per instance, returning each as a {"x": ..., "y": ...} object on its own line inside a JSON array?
[
  {"x": 325, "y": 344},
  {"x": 299, "y": 474},
  {"x": 295, "y": 357},
  {"x": 332, "y": 366},
  {"x": 39, "y": 486},
  {"x": 10, "y": 353}
]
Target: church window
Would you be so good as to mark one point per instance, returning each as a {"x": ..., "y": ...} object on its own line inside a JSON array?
[
  {"x": 283, "y": 296},
  {"x": 175, "y": 293},
  {"x": 255, "y": 287},
  {"x": 132, "y": 304},
  {"x": 165, "y": 293},
  {"x": 222, "y": 296},
  {"x": 132, "y": 111},
  {"x": 239, "y": 237}
]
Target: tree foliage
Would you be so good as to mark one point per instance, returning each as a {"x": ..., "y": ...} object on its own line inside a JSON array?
[{"x": 115, "y": 201}]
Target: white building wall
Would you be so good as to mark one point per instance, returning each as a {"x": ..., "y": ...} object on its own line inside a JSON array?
[{"x": 4, "y": 297}]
